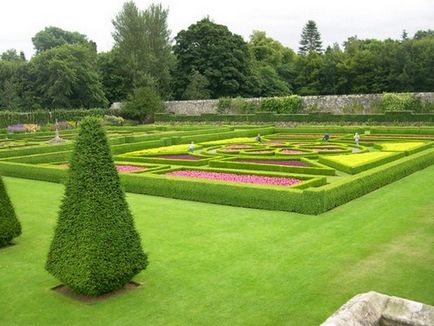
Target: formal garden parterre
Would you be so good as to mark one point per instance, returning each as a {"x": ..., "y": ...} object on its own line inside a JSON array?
[{"x": 291, "y": 169}]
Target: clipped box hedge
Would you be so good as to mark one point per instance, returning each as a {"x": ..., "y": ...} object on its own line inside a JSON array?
[
  {"x": 369, "y": 161},
  {"x": 157, "y": 160},
  {"x": 407, "y": 147},
  {"x": 306, "y": 201}
]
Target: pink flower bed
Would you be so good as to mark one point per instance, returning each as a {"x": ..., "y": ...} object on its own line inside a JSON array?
[
  {"x": 291, "y": 151},
  {"x": 180, "y": 157},
  {"x": 231, "y": 177},
  {"x": 129, "y": 168},
  {"x": 275, "y": 162}
]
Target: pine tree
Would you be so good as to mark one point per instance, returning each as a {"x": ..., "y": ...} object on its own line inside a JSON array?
[
  {"x": 310, "y": 39},
  {"x": 10, "y": 227},
  {"x": 95, "y": 248}
]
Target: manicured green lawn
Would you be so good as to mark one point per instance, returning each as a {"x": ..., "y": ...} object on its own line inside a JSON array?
[{"x": 220, "y": 265}]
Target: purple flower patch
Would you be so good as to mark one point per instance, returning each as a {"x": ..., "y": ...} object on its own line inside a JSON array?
[
  {"x": 275, "y": 162},
  {"x": 231, "y": 177},
  {"x": 180, "y": 157},
  {"x": 129, "y": 168}
]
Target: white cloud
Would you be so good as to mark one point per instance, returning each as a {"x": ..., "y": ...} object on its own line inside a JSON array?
[{"x": 282, "y": 20}]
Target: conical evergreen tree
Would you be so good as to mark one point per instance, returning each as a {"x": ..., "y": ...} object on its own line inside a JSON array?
[
  {"x": 310, "y": 39},
  {"x": 10, "y": 227},
  {"x": 95, "y": 248}
]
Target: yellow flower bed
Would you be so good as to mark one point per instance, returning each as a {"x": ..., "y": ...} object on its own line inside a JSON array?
[
  {"x": 174, "y": 149},
  {"x": 230, "y": 141},
  {"x": 353, "y": 160},
  {"x": 400, "y": 147}
]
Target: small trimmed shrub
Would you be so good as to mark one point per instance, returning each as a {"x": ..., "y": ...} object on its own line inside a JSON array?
[
  {"x": 10, "y": 227},
  {"x": 95, "y": 248}
]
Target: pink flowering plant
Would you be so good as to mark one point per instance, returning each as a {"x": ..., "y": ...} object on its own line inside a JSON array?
[
  {"x": 129, "y": 168},
  {"x": 232, "y": 177}
]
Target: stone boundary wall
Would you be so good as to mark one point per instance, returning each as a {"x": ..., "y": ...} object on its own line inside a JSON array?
[{"x": 325, "y": 103}]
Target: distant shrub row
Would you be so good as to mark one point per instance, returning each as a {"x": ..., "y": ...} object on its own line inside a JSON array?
[
  {"x": 8, "y": 118},
  {"x": 293, "y": 104},
  {"x": 238, "y": 105},
  {"x": 319, "y": 117}
]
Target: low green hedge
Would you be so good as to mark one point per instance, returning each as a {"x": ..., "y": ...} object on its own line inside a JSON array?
[
  {"x": 131, "y": 147},
  {"x": 317, "y": 117},
  {"x": 158, "y": 160},
  {"x": 308, "y": 201},
  {"x": 43, "y": 117},
  {"x": 362, "y": 167},
  {"x": 42, "y": 149},
  {"x": 341, "y": 192},
  {"x": 40, "y": 158},
  {"x": 409, "y": 151},
  {"x": 34, "y": 172}
]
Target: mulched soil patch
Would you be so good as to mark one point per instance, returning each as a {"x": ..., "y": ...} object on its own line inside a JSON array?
[{"x": 67, "y": 292}]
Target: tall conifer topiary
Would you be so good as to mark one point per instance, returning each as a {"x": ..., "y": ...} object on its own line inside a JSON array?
[
  {"x": 95, "y": 248},
  {"x": 10, "y": 227}
]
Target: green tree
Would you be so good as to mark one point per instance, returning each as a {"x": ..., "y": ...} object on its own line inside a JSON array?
[
  {"x": 12, "y": 55},
  {"x": 116, "y": 82},
  {"x": 310, "y": 39},
  {"x": 308, "y": 74},
  {"x": 52, "y": 37},
  {"x": 10, "y": 227},
  {"x": 216, "y": 53},
  {"x": 95, "y": 248},
  {"x": 142, "y": 103},
  {"x": 142, "y": 41},
  {"x": 15, "y": 84},
  {"x": 67, "y": 77},
  {"x": 197, "y": 89},
  {"x": 272, "y": 63}
]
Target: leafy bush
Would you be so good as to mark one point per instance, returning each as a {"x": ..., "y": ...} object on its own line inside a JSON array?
[
  {"x": 224, "y": 105},
  {"x": 142, "y": 104},
  {"x": 95, "y": 248},
  {"x": 241, "y": 106},
  {"x": 10, "y": 227},
  {"x": 282, "y": 105},
  {"x": 400, "y": 102},
  {"x": 112, "y": 120}
]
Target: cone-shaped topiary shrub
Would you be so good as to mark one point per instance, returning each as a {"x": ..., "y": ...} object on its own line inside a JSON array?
[
  {"x": 10, "y": 227},
  {"x": 95, "y": 248}
]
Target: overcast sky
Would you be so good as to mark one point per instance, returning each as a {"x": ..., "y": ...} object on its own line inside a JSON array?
[{"x": 282, "y": 20}]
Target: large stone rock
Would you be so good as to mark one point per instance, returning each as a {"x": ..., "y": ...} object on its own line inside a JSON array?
[{"x": 374, "y": 309}]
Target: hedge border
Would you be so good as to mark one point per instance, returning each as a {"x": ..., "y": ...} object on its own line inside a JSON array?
[{"x": 361, "y": 167}]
